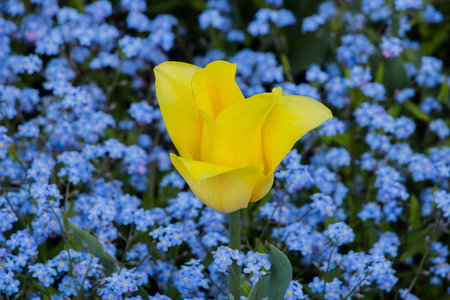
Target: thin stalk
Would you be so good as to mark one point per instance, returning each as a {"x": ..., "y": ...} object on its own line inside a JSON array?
[
  {"x": 328, "y": 270},
  {"x": 279, "y": 201},
  {"x": 15, "y": 212},
  {"x": 425, "y": 255},
  {"x": 214, "y": 283},
  {"x": 234, "y": 271},
  {"x": 355, "y": 287},
  {"x": 92, "y": 255}
]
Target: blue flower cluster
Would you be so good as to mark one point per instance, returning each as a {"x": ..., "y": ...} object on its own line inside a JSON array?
[{"x": 91, "y": 207}]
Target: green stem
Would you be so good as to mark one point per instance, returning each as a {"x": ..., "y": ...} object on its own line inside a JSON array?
[{"x": 234, "y": 271}]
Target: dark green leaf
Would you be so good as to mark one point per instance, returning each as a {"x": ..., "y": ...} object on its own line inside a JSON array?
[
  {"x": 82, "y": 236},
  {"x": 443, "y": 93},
  {"x": 415, "y": 110},
  {"x": 275, "y": 284},
  {"x": 414, "y": 212},
  {"x": 417, "y": 248},
  {"x": 380, "y": 72},
  {"x": 395, "y": 76}
]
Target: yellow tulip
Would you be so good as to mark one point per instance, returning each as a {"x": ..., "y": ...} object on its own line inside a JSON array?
[{"x": 229, "y": 146}]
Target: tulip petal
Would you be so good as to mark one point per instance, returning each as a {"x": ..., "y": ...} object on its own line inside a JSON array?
[
  {"x": 216, "y": 147},
  {"x": 215, "y": 87},
  {"x": 290, "y": 119},
  {"x": 242, "y": 124},
  {"x": 222, "y": 188},
  {"x": 262, "y": 187},
  {"x": 206, "y": 94},
  {"x": 175, "y": 98}
]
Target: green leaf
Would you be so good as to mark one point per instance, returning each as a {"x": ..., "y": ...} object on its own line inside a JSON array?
[
  {"x": 342, "y": 139},
  {"x": 78, "y": 4},
  {"x": 84, "y": 237},
  {"x": 380, "y": 72},
  {"x": 46, "y": 292},
  {"x": 416, "y": 244},
  {"x": 395, "y": 76},
  {"x": 443, "y": 93},
  {"x": 415, "y": 110},
  {"x": 304, "y": 49},
  {"x": 436, "y": 40},
  {"x": 412, "y": 251},
  {"x": 275, "y": 284},
  {"x": 141, "y": 292},
  {"x": 394, "y": 109},
  {"x": 414, "y": 212}
]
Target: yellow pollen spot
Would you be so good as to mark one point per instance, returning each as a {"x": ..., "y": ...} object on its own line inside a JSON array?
[{"x": 185, "y": 279}]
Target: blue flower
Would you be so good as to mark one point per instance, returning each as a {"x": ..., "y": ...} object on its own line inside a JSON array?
[
  {"x": 294, "y": 291},
  {"x": 429, "y": 104},
  {"x": 214, "y": 19},
  {"x": 138, "y": 21},
  {"x": 387, "y": 243},
  {"x": 264, "y": 17},
  {"x": 314, "y": 73},
  {"x": 332, "y": 127},
  {"x": 431, "y": 14},
  {"x": 316, "y": 285},
  {"x": 429, "y": 74},
  {"x": 408, "y": 4},
  {"x": 134, "y": 5},
  {"x": 442, "y": 200},
  {"x": 340, "y": 233},
  {"x": 222, "y": 258},
  {"x": 391, "y": 46},
  {"x": 142, "y": 112},
  {"x": 440, "y": 128},
  {"x": 404, "y": 94},
  {"x": 43, "y": 274},
  {"x": 323, "y": 204}
]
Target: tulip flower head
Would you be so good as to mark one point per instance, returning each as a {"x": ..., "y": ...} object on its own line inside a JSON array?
[{"x": 229, "y": 146}]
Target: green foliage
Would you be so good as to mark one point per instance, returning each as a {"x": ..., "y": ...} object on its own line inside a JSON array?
[
  {"x": 275, "y": 284},
  {"x": 85, "y": 239}
]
